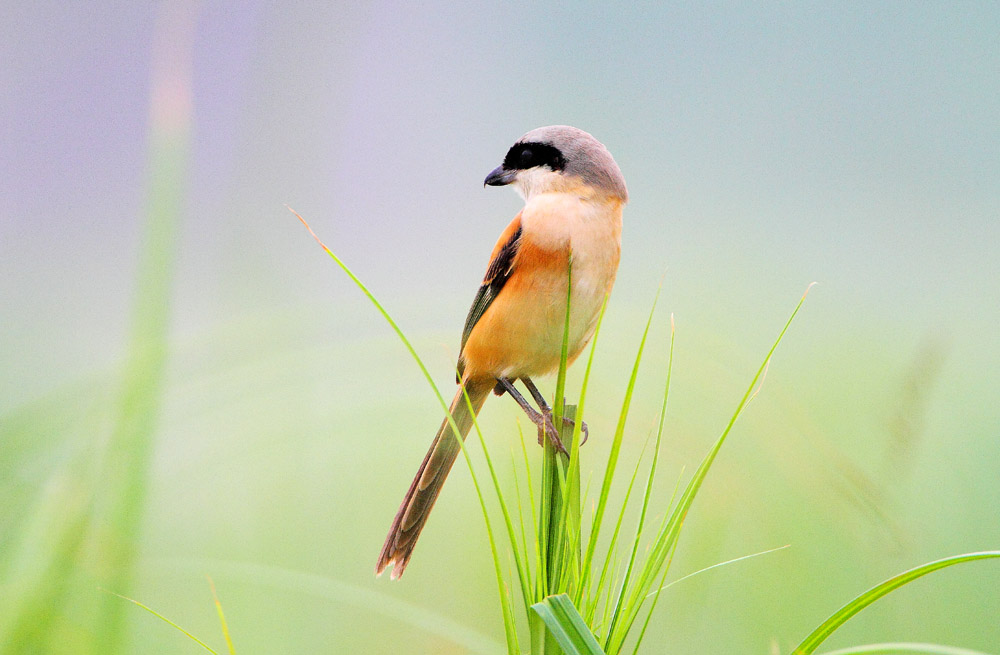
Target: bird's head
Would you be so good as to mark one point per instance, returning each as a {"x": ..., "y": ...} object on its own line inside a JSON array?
[{"x": 559, "y": 158}]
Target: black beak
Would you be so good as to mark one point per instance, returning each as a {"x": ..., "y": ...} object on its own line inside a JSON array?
[{"x": 499, "y": 176}]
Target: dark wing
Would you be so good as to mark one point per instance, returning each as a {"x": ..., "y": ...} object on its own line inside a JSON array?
[{"x": 497, "y": 275}]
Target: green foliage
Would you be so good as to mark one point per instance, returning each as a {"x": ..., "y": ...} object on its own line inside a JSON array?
[
  {"x": 567, "y": 626},
  {"x": 90, "y": 517},
  {"x": 841, "y": 616},
  {"x": 218, "y": 608},
  {"x": 904, "y": 649},
  {"x": 128, "y": 453},
  {"x": 610, "y": 604},
  {"x": 580, "y": 593},
  {"x": 222, "y": 619},
  {"x": 568, "y": 611},
  {"x": 510, "y": 630}
]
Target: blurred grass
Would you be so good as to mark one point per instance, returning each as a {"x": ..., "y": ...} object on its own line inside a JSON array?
[
  {"x": 90, "y": 514},
  {"x": 127, "y": 456},
  {"x": 266, "y": 450},
  {"x": 43, "y": 560},
  {"x": 129, "y": 449}
]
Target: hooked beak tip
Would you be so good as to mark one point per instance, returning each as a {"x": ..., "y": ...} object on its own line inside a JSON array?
[{"x": 499, "y": 176}]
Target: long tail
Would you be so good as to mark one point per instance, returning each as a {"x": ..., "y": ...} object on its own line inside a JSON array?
[{"x": 430, "y": 477}]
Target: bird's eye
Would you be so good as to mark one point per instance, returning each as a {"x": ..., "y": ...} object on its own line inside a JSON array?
[
  {"x": 523, "y": 156},
  {"x": 526, "y": 159}
]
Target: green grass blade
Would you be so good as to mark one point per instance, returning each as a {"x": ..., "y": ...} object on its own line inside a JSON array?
[
  {"x": 36, "y": 579},
  {"x": 569, "y": 525},
  {"x": 573, "y": 523},
  {"x": 508, "y": 616},
  {"x": 566, "y": 517},
  {"x": 165, "y": 620},
  {"x": 552, "y": 529},
  {"x": 534, "y": 517},
  {"x": 523, "y": 545},
  {"x": 559, "y": 519},
  {"x": 666, "y": 540},
  {"x": 904, "y": 649},
  {"x": 649, "y": 485},
  {"x": 656, "y": 447},
  {"x": 582, "y": 401},
  {"x": 716, "y": 566},
  {"x": 557, "y": 408},
  {"x": 510, "y": 630},
  {"x": 687, "y": 498},
  {"x": 615, "y": 605},
  {"x": 574, "y": 529},
  {"x": 520, "y": 565},
  {"x": 545, "y": 518},
  {"x": 567, "y": 626},
  {"x": 385, "y": 315},
  {"x": 663, "y": 574},
  {"x": 222, "y": 618},
  {"x": 129, "y": 450},
  {"x": 609, "y": 470},
  {"x": 841, "y": 616},
  {"x": 652, "y": 605},
  {"x": 365, "y": 598},
  {"x": 659, "y": 437}
]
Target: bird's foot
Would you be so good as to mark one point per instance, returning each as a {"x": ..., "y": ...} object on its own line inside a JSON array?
[
  {"x": 584, "y": 430},
  {"x": 546, "y": 425},
  {"x": 570, "y": 423}
]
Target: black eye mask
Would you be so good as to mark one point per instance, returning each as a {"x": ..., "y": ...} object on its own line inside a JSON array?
[{"x": 523, "y": 156}]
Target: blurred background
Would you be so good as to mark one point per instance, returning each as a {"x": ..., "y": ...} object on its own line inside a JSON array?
[{"x": 191, "y": 387}]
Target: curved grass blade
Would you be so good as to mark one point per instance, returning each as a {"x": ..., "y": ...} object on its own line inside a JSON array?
[
  {"x": 222, "y": 618},
  {"x": 573, "y": 474},
  {"x": 508, "y": 615},
  {"x": 522, "y": 547},
  {"x": 666, "y": 539},
  {"x": 562, "y": 481},
  {"x": 613, "y": 604},
  {"x": 649, "y": 484},
  {"x": 716, "y": 566},
  {"x": 567, "y": 626},
  {"x": 609, "y": 471},
  {"x": 366, "y": 598},
  {"x": 557, "y": 409},
  {"x": 841, "y": 616},
  {"x": 656, "y": 596},
  {"x": 385, "y": 314},
  {"x": 128, "y": 453},
  {"x": 522, "y": 570},
  {"x": 904, "y": 648},
  {"x": 165, "y": 620}
]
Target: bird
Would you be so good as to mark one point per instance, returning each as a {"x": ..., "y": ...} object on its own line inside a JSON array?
[{"x": 568, "y": 232}]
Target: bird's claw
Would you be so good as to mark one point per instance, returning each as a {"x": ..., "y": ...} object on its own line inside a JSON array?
[
  {"x": 584, "y": 430},
  {"x": 546, "y": 426}
]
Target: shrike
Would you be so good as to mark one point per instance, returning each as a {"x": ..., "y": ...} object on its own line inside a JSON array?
[{"x": 573, "y": 198}]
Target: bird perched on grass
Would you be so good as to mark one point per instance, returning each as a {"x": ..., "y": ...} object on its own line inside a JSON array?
[{"x": 573, "y": 198}]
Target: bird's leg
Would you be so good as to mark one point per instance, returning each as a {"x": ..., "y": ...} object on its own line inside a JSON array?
[
  {"x": 547, "y": 411},
  {"x": 541, "y": 420}
]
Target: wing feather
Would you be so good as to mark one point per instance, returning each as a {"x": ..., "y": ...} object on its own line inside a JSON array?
[{"x": 497, "y": 273}]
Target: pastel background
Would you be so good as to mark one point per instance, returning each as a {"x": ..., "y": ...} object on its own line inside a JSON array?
[{"x": 765, "y": 147}]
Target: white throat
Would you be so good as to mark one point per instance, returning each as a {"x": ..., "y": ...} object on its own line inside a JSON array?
[{"x": 538, "y": 180}]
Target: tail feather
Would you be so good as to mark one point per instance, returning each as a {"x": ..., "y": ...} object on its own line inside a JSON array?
[{"x": 426, "y": 485}]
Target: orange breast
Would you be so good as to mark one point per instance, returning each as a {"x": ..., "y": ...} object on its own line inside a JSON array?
[{"x": 521, "y": 332}]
